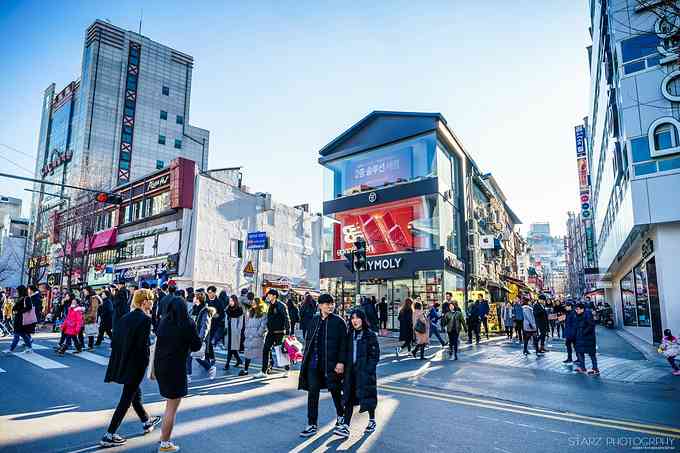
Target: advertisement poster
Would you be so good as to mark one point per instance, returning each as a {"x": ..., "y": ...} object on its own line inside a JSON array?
[
  {"x": 378, "y": 169},
  {"x": 580, "y": 133},
  {"x": 583, "y": 183},
  {"x": 400, "y": 226}
]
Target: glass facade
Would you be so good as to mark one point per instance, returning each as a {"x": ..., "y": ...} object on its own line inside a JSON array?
[
  {"x": 404, "y": 161},
  {"x": 636, "y": 290}
]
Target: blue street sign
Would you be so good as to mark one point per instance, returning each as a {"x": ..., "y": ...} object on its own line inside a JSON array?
[{"x": 257, "y": 240}]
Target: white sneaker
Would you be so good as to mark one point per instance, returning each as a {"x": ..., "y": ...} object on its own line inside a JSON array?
[
  {"x": 212, "y": 372},
  {"x": 167, "y": 446},
  {"x": 260, "y": 375}
]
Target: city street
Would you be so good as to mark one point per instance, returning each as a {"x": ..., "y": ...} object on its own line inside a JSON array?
[{"x": 493, "y": 399}]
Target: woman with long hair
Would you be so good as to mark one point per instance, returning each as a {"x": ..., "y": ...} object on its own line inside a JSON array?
[
  {"x": 176, "y": 337},
  {"x": 360, "y": 381},
  {"x": 255, "y": 331},
  {"x": 234, "y": 324},
  {"x": 307, "y": 312},
  {"x": 90, "y": 320},
  {"x": 422, "y": 330},
  {"x": 127, "y": 365},
  {"x": 406, "y": 324}
]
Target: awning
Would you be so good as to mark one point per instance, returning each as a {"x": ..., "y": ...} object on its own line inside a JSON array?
[{"x": 104, "y": 239}]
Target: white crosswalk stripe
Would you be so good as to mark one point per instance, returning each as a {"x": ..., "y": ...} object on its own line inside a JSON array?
[
  {"x": 39, "y": 360},
  {"x": 2, "y": 371},
  {"x": 98, "y": 359}
]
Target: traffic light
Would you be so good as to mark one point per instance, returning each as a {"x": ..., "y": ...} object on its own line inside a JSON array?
[
  {"x": 349, "y": 261},
  {"x": 105, "y": 197},
  {"x": 360, "y": 259}
]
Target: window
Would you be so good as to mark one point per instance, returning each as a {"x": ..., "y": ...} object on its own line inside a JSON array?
[
  {"x": 639, "y": 46},
  {"x": 633, "y": 67},
  {"x": 671, "y": 164},
  {"x": 628, "y": 300},
  {"x": 268, "y": 254},
  {"x": 641, "y": 300},
  {"x": 640, "y": 149},
  {"x": 236, "y": 248},
  {"x": 161, "y": 139},
  {"x": 664, "y": 136},
  {"x": 178, "y": 144},
  {"x": 180, "y": 119},
  {"x": 270, "y": 218},
  {"x": 159, "y": 164},
  {"x": 136, "y": 211},
  {"x": 159, "y": 203},
  {"x": 166, "y": 91},
  {"x": 164, "y": 115}
]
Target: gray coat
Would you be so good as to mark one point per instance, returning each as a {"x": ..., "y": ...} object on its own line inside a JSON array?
[
  {"x": 233, "y": 332},
  {"x": 255, "y": 331},
  {"x": 529, "y": 320}
]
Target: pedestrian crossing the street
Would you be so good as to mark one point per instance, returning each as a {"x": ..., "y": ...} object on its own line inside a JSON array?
[{"x": 42, "y": 357}]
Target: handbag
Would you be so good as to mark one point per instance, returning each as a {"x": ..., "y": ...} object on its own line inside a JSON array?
[
  {"x": 200, "y": 353},
  {"x": 29, "y": 317},
  {"x": 420, "y": 326},
  {"x": 281, "y": 357},
  {"x": 151, "y": 371}
]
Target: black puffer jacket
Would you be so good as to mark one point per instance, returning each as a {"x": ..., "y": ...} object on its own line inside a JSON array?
[
  {"x": 541, "y": 317},
  {"x": 334, "y": 350},
  {"x": 585, "y": 340},
  {"x": 278, "y": 321},
  {"x": 368, "y": 356}
]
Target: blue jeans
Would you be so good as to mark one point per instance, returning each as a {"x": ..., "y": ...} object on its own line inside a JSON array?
[
  {"x": 24, "y": 336},
  {"x": 434, "y": 330}
]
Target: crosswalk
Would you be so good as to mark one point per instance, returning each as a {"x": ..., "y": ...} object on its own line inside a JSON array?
[{"x": 43, "y": 357}]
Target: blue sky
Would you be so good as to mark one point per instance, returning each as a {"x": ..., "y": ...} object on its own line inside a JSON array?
[{"x": 275, "y": 81}]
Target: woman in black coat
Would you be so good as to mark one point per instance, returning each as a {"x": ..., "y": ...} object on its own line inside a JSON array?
[
  {"x": 176, "y": 337},
  {"x": 127, "y": 365},
  {"x": 360, "y": 380},
  {"x": 406, "y": 324},
  {"x": 22, "y": 304},
  {"x": 307, "y": 312}
]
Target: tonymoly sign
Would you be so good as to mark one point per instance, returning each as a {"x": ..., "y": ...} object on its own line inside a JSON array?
[{"x": 381, "y": 264}]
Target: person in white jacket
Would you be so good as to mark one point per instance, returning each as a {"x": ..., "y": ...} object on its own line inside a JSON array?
[{"x": 529, "y": 327}]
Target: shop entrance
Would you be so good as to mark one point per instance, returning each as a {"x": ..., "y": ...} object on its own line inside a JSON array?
[{"x": 654, "y": 308}]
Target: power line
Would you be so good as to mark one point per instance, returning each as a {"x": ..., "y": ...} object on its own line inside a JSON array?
[
  {"x": 30, "y": 172},
  {"x": 16, "y": 150}
]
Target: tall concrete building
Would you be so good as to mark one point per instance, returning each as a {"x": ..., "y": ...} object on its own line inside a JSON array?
[
  {"x": 633, "y": 149},
  {"x": 127, "y": 116},
  {"x": 546, "y": 256}
]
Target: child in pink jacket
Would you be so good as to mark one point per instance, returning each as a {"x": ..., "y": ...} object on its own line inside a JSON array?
[
  {"x": 71, "y": 327},
  {"x": 670, "y": 349}
]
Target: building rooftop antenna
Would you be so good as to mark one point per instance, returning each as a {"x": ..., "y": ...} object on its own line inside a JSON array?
[{"x": 141, "y": 16}]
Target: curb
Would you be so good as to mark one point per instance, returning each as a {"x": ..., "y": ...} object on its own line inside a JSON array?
[{"x": 644, "y": 348}]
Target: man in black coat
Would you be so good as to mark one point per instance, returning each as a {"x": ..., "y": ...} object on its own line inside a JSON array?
[
  {"x": 585, "y": 341},
  {"x": 382, "y": 313},
  {"x": 36, "y": 301},
  {"x": 121, "y": 302},
  {"x": 323, "y": 363},
  {"x": 278, "y": 325},
  {"x": 219, "y": 304},
  {"x": 474, "y": 321},
  {"x": 368, "y": 306},
  {"x": 105, "y": 313},
  {"x": 541, "y": 317},
  {"x": 127, "y": 365}
]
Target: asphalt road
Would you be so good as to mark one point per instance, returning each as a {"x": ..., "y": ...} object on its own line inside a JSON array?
[{"x": 60, "y": 404}]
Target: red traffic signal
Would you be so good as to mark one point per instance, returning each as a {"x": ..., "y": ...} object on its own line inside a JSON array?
[{"x": 104, "y": 197}]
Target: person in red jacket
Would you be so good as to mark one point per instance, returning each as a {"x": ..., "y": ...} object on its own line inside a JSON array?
[{"x": 71, "y": 327}]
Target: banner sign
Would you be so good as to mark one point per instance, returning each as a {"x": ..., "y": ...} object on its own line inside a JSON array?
[
  {"x": 580, "y": 133},
  {"x": 583, "y": 181}
]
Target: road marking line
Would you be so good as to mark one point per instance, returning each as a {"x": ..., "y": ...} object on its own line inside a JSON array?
[
  {"x": 98, "y": 359},
  {"x": 2, "y": 371},
  {"x": 524, "y": 410},
  {"x": 39, "y": 347},
  {"x": 38, "y": 360}
]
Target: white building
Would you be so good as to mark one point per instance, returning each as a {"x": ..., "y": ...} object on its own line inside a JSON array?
[
  {"x": 223, "y": 215},
  {"x": 633, "y": 138},
  {"x": 13, "y": 233}
]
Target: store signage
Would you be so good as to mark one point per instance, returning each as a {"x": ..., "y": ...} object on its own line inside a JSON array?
[
  {"x": 586, "y": 211},
  {"x": 158, "y": 182},
  {"x": 58, "y": 159},
  {"x": 257, "y": 240},
  {"x": 378, "y": 169},
  {"x": 399, "y": 226},
  {"x": 54, "y": 279},
  {"x": 372, "y": 197},
  {"x": 377, "y": 264},
  {"x": 39, "y": 261},
  {"x": 169, "y": 266},
  {"x": 486, "y": 241},
  {"x": 647, "y": 248},
  {"x": 580, "y": 133}
]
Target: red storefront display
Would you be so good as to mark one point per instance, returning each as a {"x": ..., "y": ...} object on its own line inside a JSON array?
[{"x": 386, "y": 228}]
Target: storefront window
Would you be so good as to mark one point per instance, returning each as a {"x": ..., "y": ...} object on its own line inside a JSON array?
[
  {"x": 641, "y": 296},
  {"x": 428, "y": 285},
  {"x": 158, "y": 204},
  {"x": 406, "y": 225},
  {"x": 393, "y": 164},
  {"x": 628, "y": 300}
]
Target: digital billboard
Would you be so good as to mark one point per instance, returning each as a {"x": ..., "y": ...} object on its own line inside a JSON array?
[{"x": 378, "y": 169}]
